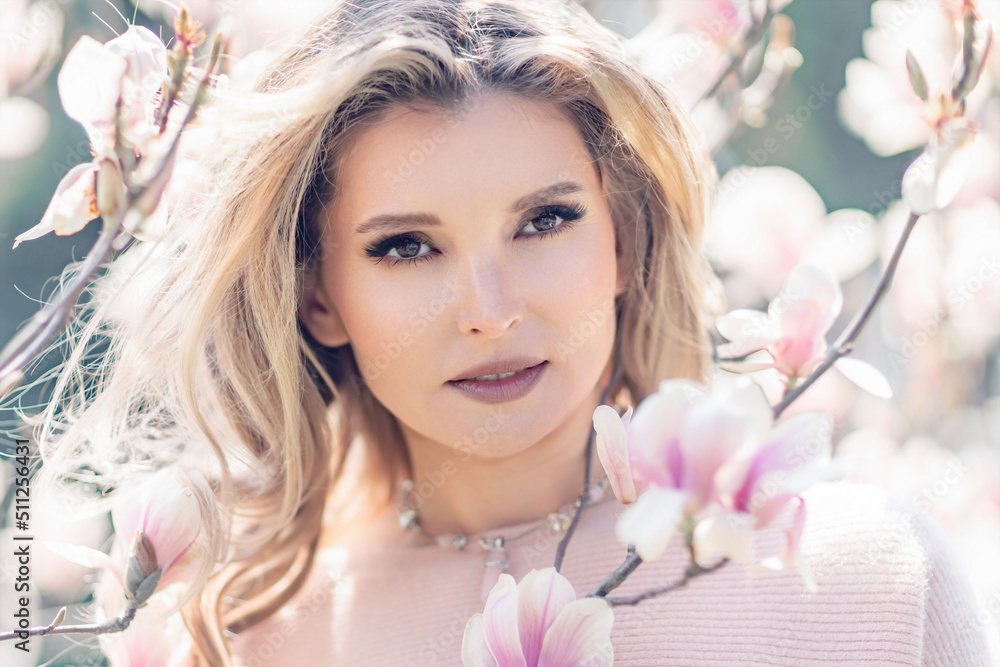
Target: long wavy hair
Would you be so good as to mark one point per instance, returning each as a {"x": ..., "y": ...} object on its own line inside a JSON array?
[{"x": 193, "y": 353}]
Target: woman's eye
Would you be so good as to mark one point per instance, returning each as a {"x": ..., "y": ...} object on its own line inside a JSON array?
[
  {"x": 411, "y": 247},
  {"x": 554, "y": 218},
  {"x": 402, "y": 247},
  {"x": 545, "y": 222},
  {"x": 406, "y": 249}
]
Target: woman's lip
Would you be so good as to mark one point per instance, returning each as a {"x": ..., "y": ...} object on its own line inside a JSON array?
[{"x": 500, "y": 391}]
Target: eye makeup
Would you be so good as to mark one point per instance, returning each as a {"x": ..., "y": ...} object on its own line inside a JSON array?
[{"x": 407, "y": 246}]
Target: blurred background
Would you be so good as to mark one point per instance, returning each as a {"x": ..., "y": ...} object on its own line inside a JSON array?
[{"x": 811, "y": 136}]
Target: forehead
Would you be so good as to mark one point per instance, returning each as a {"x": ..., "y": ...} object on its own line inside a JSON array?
[{"x": 493, "y": 151}]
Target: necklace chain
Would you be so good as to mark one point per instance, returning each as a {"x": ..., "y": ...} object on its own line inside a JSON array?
[{"x": 409, "y": 519}]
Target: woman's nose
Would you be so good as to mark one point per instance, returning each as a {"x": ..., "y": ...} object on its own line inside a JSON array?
[{"x": 491, "y": 301}]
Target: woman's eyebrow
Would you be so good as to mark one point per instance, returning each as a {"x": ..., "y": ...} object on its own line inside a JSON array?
[{"x": 389, "y": 221}]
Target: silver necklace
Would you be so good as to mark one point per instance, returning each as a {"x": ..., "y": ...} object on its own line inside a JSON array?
[{"x": 495, "y": 560}]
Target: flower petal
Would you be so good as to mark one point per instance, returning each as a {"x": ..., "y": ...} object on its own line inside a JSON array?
[
  {"x": 794, "y": 444},
  {"x": 792, "y": 555},
  {"x": 865, "y": 376},
  {"x": 84, "y": 556},
  {"x": 935, "y": 177},
  {"x": 90, "y": 83},
  {"x": 167, "y": 510},
  {"x": 651, "y": 521},
  {"x": 723, "y": 536},
  {"x": 612, "y": 450},
  {"x": 813, "y": 285},
  {"x": 146, "y": 57},
  {"x": 580, "y": 636},
  {"x": 712, "y": 432},
  {"x": 654, "y": 430},
  {"x": 500, "y": 624},
  {"x": 172, "y": 522},
  {"x": 541, "y": 595},
  {"x": 475, "y": 652},
  {"x": 745, "y": 366},
  {"x": 73, "y": 205},
  {"x": 745, "y": 325}
]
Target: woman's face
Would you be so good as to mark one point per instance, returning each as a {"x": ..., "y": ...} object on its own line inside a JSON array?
[{"x": 457, "y": 241}]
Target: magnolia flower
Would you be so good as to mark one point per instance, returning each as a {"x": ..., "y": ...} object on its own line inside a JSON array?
[
  {"x": 131, "y": 67},
  {"x": 879, "y": 103},
  {"x": 758, "y": 484},
  {"x": 678, "y": 440},
  {"x": 537, "y": 623},
  {"x": 768, "y": 220},
  {"x": 94, "y": 79},
  {"x": 717, "y": 461},
  {"x": 792, "y": 334},
  {"x": 155, "y": 525},
  {"x": 84, "y": 193}
]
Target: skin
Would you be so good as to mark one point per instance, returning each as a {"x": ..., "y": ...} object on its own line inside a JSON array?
[{"x": 489, "y": 290}]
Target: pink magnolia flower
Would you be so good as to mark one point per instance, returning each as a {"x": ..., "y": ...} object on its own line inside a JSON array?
[
  {"x": 166, "y": 511},
  {"x": 793, "y": 332},
  {"x": 538, "y": 623},
  {"x": 757, "y": 485},
  {"x": 878, "y": 103},
  {"x": 792, "y": 335},
  {"x": 720, "y": 462},
  {"x": 679, "y": 439}
]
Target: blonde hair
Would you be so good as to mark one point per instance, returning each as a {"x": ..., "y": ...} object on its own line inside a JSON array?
[{"x": 209, "y": 355}]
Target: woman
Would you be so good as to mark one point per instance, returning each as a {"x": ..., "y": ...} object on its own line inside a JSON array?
[{"x": 433, "y": 196}]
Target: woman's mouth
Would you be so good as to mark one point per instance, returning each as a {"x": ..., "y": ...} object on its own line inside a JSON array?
[{"x": 501, "y": 387}]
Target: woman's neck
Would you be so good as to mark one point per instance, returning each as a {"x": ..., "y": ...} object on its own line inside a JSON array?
[{"x": 462, "y": 493}]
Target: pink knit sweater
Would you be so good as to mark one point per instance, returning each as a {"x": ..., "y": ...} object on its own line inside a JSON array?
[{"x": 889, "y": 593}]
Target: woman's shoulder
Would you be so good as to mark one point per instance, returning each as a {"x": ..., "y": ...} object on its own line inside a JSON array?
[
  {"x": 889, "y": 590},
  {"x": 861, "y": 524},
  {"x": 891, "y": 555}
]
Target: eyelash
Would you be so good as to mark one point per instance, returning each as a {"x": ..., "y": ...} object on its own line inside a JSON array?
[{"x": 379, "y": 250}]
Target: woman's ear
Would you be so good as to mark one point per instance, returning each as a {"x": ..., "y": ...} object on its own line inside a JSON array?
[{"x": 319, "y": 315}]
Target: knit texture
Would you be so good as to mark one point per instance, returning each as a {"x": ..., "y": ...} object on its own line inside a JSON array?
[{"x": 890, "y": 592}]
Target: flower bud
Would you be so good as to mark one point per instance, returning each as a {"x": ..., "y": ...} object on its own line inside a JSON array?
[{"x": 141, "y": 571}]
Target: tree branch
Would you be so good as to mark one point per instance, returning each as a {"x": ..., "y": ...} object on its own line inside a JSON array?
[
  {"x": 694, "y": 570},
  {"x": 843, "y": 345},
  {"x": 117, "y": 624}
]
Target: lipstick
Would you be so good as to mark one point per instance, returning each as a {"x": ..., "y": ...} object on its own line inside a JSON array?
[{"x": 503, "y": 389}]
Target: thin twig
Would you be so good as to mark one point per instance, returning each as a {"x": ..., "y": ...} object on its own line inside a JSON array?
[
  {"x": 844, "y": 343},
  {"x": 117, "y": 624},
  {"x": 47, "y": 322},
  {"x": 694, "y": 570},
  {"x": 616, "y": 578},
  {"x": 585, "y": 496}
]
